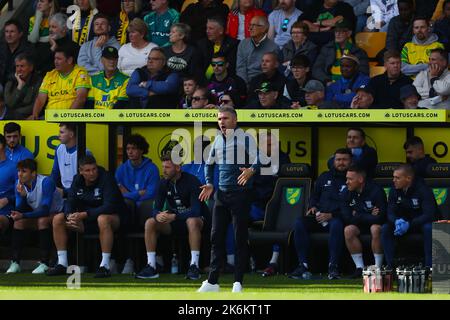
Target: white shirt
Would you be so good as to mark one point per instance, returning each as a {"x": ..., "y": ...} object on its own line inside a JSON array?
[
  {"x": 131, "y": 58},
  {"x": 241, "y": 29}
]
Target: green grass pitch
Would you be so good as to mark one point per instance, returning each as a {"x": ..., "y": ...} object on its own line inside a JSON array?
[{"x": 175, "y": 287}]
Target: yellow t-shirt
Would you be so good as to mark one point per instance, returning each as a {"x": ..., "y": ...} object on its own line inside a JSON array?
[
  {"x": 106, "y": 92},
  {"x": 62, "y": 90},
  {"x": 415, "y": 54}
]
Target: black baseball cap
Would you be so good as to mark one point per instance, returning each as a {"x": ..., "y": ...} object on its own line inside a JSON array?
[{"x": 110, "y": 53}]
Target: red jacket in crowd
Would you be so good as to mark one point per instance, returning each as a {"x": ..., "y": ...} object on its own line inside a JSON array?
[{"x": 233, "y": 21}]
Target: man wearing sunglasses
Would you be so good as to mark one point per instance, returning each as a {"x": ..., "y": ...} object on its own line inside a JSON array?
[
  {"x": 281, "y": 21},
  {"x": 222, "y": 81}
]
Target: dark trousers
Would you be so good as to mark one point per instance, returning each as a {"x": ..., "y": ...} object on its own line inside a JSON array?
[
  {"x": 235, "y": 207},
  {"x": 388, "y": 241},
  {"x": 305, "y": 225}
]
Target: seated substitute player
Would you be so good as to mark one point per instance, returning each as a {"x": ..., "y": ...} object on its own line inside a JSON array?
[
  {"x": 180, "y": 191},
  {"x": 94, "y": 205},
  {"x": 8, "y": 175},
  {"x": 363, "y": 209},
  {"x": 108, "y": 87},
  {"x": 411, "y": 209},
  {"x": 36, "y": 199},
  {"x": 14, "y": 150},
  {"x": 324, "y": 215}
]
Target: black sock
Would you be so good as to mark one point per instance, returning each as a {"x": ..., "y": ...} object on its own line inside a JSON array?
[
  {"x": 45, "y": 243},
  {"x": 17, "y": 244}
]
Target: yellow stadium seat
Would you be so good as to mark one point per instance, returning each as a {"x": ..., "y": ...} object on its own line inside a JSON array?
[
  {"x": 371, "y": 42},
  {"x": 376, "y": 70},
  {"x": 229, "y": 3}
]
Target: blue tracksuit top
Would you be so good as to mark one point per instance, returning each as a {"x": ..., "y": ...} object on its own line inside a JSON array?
[
  {"x": 19, "y": 153},
  {"x": 48, "y": 189},
  {"x": 8, "y": 176},
  {"x": 229, "y": 154},
  {"x": 327, "y": 192},
  {"x": 417, "y": 205},
  {"x": 143, "y": 177},
  {"x": 344, "y": 90},
  {"x": 356, "y": 208}
]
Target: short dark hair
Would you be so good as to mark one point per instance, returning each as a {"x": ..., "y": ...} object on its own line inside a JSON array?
[
  {"x": 413, "y": 141},
  {"x": 138, "y": 141},
  {"x": 166, "y": 157},
  {"x": 360, "y": 130},
  {"x": 67, "y": 51},
  {"x": 27, "y": 164},
  {"x": 219, "y": 20},
  {"x": 344, "y": 151},
  {"x": 11, "y": 127},
  {"x": 416, "y": 18},
  {"x": 301, "y": 60},
  {"x": 2, "y": 140},
  {"x": 101, "y": 16},
  {"x": 407, "y": 169},
  {"x": 189, "y": 78},
  {"x": 15, "y": 22},
  {"x": 219, "y": 55},
  {"x": 69, "y": 126},
  {"x": 391, "y": 54},
  {"x": 359, "y": 170},
  {"x": 442, "y": 52},
  {"x": 87, "y": 159},
  {"x": 301, "y": 25},
  {"x": 25, "y": 56}
]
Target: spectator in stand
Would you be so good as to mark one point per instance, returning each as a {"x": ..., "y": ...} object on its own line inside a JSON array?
[
  {"x": 323, "y": 16},
  {"x": 14, "y": 150},
  {"x": 298, "y": 45},
  {"x": 38, "y": 33},
  {"x": 343, "y": 90},
  {"x": 415, "y": 54},
  {"x": 66, "y": 87},
  {"x": 108, "y": 87},
  {"x": 21, "y": 92},
  {"x": 433, "y": 84},
  {"x": 222, "y": 81},
  {"x": 416, "y": 157},
  {"x": 270, "y": 73},
  {"x": 386, "y": 86},
  {"x": 197, "y": 14},
  {"x": 382, "y": 12},
  {"x": 183, "y": 57},
  {"x": 154, "y": 86},
  {"x": 269, "y": 98},
  {"x": 293, "y": 90},
  {"x": 281, "y": 21},
  {"x": 238, "y": 23},
  {"x": 159, "y": 22},
  {"x": 83, "y": 26},
  {"x": 189, "y": 86},
  {"x": 315, "y": 97},
  {"x": 363, "y": 98},
  {"x": 327, "y": 66},
  {"x": 216, "y": 41},
  {"x": 229, "y": 100},
  {"x": 400, "y": 27},
  {"x": 251, "y": 51},
  {"x": 410, "y": 97},
  {"x": 203, "y": 99},
  {"x": 442, "y": 26},
  {"x": 134, "y": 54},
  {"x": 360, "y": 11},
  {"x": 59, "y": 35},
  {"x": 91, "y": 52},
  {"x": 14, "y": 44},
  {"x": 130, "y": 9}
]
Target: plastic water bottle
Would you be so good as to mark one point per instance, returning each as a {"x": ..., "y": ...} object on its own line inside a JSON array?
[
  {"x": 325, "y": 223},
  {"x": 174, "y": 265}
]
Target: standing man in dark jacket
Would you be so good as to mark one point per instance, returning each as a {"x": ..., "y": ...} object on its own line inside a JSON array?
[
  {"x": 416, "y": 157},
  {"x": 94, "y": 205},
  {"x": 400, "y": 27},
  {"x": 411, "y": 209},
  {"x": 324, "y": 215},
  {"x": 363, "y": 209}
]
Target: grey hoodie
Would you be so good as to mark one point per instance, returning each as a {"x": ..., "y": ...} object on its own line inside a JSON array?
[{"x": 413, "y": 69}]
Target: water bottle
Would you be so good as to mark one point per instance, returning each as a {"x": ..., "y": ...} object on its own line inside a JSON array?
[
  {"x": 174, "y": 265},
  {"x": 325, "y": 223}
]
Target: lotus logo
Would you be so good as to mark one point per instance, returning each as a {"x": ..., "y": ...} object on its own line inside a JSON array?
[
  {"x": 56, "y": 115},
  {"x": 187, "y": 115},
  {"x": 387, "y": 115},
  {"x": 121, "y": 115},
  {"x": 253, "y": 115},
  {"x": 320, "y": 115}
]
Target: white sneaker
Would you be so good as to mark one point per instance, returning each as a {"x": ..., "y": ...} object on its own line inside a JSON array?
[
  {"x": 113, "y": 266},
  {"x": 237, "y": 287},
  {"x": 14, "y": 267},
  {"x": 40, "y": 269},
  {"x": 128, "y": 268},
  {"x": 208, "y": 287}
]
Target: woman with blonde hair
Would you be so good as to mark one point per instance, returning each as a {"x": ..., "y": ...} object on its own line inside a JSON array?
[
  {"x": 38, "y": 30},
  {"x": 82, "y": 18},
  {"x": 130, "y": 9},
  {"x": 134, "y": 55}
]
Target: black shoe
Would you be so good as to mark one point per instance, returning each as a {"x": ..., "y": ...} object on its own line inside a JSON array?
[
  {"x": 193, "y": 272},
  {"x": 148, "y": 273},
  {"x": 301, "y": 272},
  {"x": 58, "y": 270},
  {"x": 102, "y": 272},
  {"x": 228, "y": 269},
  {"x": 333, "y": 272},
  {"x": 357, "y": 274}
]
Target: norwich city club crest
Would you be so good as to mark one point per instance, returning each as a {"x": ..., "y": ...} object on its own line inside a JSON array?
[
  {"x": 293, "y": 195},
  {"x": 440, "y": 194}
]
